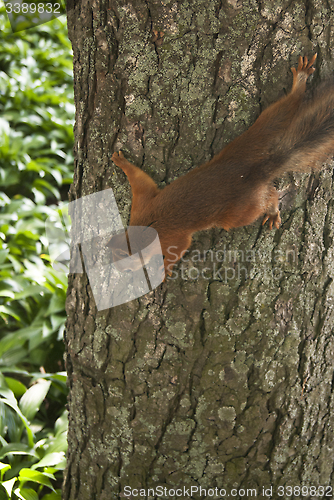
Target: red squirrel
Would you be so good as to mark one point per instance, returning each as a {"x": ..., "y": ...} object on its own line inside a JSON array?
[{"x": 235, "y": 187}]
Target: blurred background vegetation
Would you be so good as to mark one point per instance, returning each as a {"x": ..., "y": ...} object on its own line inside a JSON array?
[{"x": 36, "y": 140}]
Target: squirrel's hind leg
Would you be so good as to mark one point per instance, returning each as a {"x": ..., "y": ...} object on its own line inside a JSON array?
[{"x": 272, "y": 210}]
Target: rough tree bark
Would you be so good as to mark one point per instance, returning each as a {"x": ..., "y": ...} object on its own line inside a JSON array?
[{"x": 222, "y": 379}]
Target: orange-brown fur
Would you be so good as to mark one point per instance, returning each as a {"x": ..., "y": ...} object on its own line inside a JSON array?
[{"x": 235, "y": 187}]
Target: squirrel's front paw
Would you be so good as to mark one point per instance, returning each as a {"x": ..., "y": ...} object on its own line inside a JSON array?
[
  {"x": 304, "y": 66},
  {"x": 273, "y": 220},
  {"x": 117, "y": 157}
]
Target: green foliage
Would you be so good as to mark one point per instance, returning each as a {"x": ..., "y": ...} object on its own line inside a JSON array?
[
  {"x": 36, "y": 140},
  {"x": 36, "y": 112},
  {"x": 32, "y": 453}
]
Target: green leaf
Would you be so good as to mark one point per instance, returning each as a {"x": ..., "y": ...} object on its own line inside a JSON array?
[
  {"x": 3, "y": 493},
  {"x": 3, "y": 255},
  {"x": 8, "y": 311},
  {"x": 17, "y": 449},
  {"x": 8, "y": 485},
  {"x": 12, "y": 403},
  {"x": 62, "y": 423},
  {"x": 30, "y": 291},
  {"x": 36, "y": 477},
  {"x": 41, "y": 185},
  {"x": 14, "y": 356},
  {"x": 3, "y": 468},
  {"x": 16, "y": 386},
  {"x": 55, "y": 495},
  {"x": 6, "y": 392},
  {"x": 58, "y": 444},
  {"x": 57, "y": 304},
  {"x": 16, "y": 339},
  {"x": 33, "y": 398},
  {"x": 57, "y": 459},
  {"x": 26, "y": 494}
]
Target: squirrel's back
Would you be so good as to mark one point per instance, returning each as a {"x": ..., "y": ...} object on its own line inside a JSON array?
[
  {"x": 234, "y": 188},
  {"x": 300, "y": 139}
]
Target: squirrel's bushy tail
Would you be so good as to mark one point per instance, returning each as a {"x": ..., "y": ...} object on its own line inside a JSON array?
[{"x": 309, "y": 138}]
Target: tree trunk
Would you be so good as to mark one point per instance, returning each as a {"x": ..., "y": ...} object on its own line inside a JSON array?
[{"x": 222, "y": 377}]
